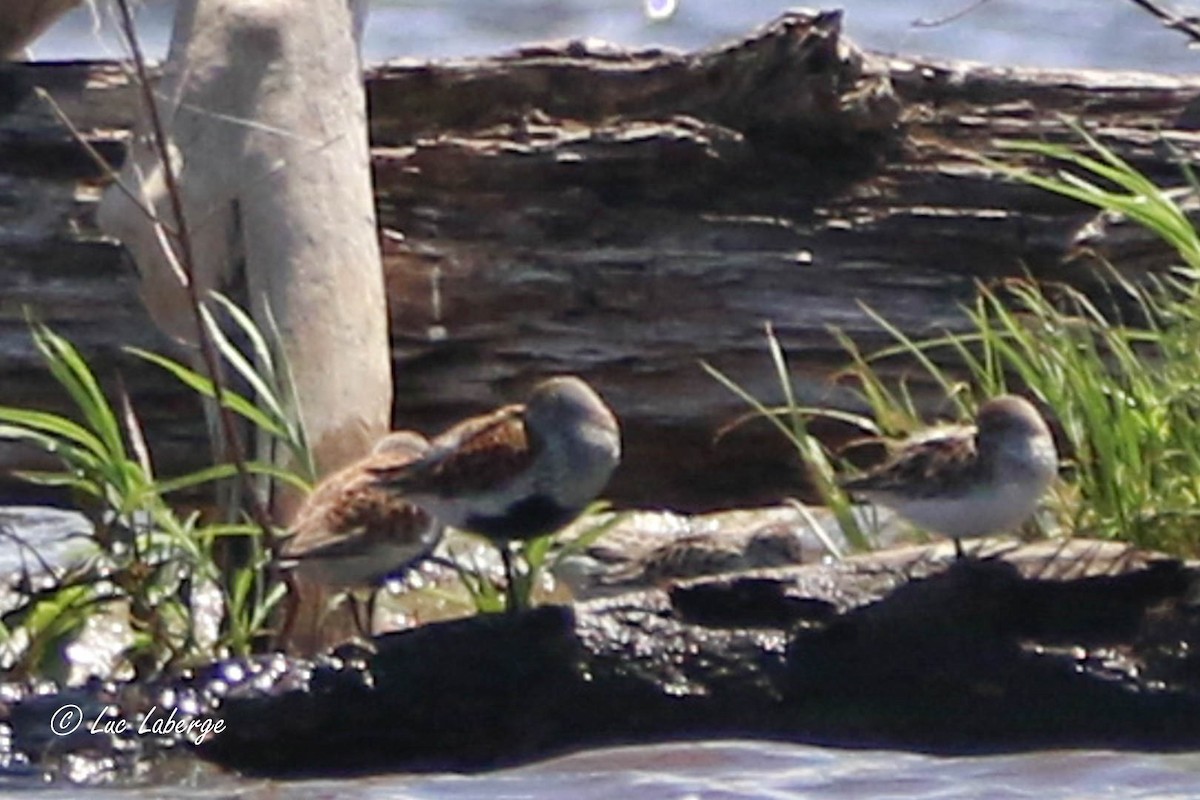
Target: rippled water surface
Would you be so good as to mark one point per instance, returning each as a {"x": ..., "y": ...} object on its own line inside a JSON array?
[
  {"x": 722, "y": 771},
  {"x": 761, "y": 770}
]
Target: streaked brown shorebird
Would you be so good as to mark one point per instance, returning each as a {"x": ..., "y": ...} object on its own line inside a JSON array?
[
  {"x": 518, "y": 473},
  {"x": 350, "y": 533}
]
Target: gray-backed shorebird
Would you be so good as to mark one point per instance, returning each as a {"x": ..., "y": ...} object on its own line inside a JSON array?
[{"x": 969, "y": 481}]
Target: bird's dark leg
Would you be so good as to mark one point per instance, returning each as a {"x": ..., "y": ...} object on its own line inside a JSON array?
[
  {"x": 363, "y": 613},
  {"x": 291, "y": 608},
  {"x": 510, "y": 576},
  {"x": 372, "y": 604},
  {"x": 958, "y": 551}
]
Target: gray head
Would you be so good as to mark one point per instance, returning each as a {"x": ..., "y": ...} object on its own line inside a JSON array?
[
  {"x": 409, "y": 443},
  {"x": 579, "y": 433},
  {"x": 566, "y": 402},
  {"x": 1014, "y": 437},
  {"x": 1009, "y": 417}
]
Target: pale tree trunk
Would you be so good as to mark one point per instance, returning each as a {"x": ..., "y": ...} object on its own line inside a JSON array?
[
  {"x": 266, "y": 116},
  {"x": 22, "y": 21}
]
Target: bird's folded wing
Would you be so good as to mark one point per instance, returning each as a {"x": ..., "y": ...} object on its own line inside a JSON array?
[
  {"x": 474, "y": 456},
  {"x": 932, "y": 466}
]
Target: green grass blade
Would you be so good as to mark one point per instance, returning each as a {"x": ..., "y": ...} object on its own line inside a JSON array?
[
  {"x": 204, "y": 386},
  {"x": 51, "y": 432},
  {"x": 226, "y": 471},
  {"x": 262, "y": 392},
  {"x": 73, "y": 374}
]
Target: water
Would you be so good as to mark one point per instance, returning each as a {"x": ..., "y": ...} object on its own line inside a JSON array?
[
  {"x": 1109, "y": 34},
  {"x": 718, "y": 770},
  {"x": 733, "y": 770}
]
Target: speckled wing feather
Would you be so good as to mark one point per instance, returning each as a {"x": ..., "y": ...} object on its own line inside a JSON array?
[
  {"x": 351, "y": 502},
  {"x": 940, "y": 465},
  {"x": 477, "y": 455},
  {"x": 690, "y": 557}
]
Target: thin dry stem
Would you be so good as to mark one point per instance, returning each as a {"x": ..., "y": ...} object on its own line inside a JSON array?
[
  {"x": 100, "y": 161},
  {"x": 954, "y": 16},
  {"x": 1188, "y": 26},
  {"x": 208, "y": 352}
]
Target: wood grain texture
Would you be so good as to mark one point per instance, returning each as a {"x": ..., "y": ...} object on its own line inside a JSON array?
[{"x": 623, "y": 215}]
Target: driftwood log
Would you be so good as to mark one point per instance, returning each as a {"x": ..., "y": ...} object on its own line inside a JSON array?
[
  {"x": 620, "y": 215},
  {"x": 1079, "y": 644},
  {"x": 1051, "y": 645}
]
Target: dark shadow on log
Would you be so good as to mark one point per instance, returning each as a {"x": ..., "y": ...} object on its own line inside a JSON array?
[{"x": 1090, "y": 647}]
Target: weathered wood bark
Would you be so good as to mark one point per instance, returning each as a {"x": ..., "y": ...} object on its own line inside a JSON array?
[
  {"x": 623, "y": 215},
  {"x": 1050, "y": 645}
]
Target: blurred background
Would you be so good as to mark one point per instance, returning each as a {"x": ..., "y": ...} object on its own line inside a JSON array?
[{"x": 1102, "y": 34}]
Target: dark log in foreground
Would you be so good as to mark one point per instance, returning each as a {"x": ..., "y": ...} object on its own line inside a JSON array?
[
  {"x": 621, "y": 215},
  {"x": 1077, "y": 645}
]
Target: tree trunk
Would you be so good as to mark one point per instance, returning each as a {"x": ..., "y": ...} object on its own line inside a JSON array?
[
  {"x": 273, "y": 171},
  {"x": 623, "y": 215},
  {"x": 276, "y": 189},
  {"x": 22, "y": 21}
]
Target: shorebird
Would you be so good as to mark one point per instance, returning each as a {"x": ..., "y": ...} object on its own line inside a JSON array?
[
  {"x": 971, "y": 481},
  {"x": 629, "y": 563},
  {"x": 518, "y": 473},
  {"x": 350, "y": 533}
]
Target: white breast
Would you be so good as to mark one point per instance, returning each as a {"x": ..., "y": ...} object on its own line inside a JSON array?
[{"x": 1001, "y": 508}]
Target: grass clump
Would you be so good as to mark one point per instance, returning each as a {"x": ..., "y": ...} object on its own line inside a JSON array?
[
  {"x": 791, "y": 421},
  {"x": 1126, "y": 394},
  {"x": 156, "y": 568}
]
